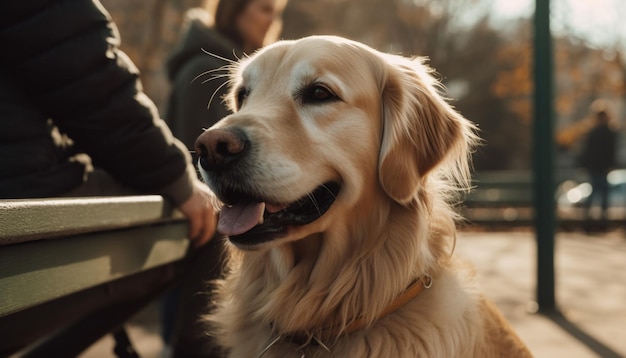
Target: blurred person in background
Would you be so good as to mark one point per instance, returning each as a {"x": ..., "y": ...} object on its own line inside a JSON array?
[
  {"x": 198, "y": 69},
  {"x": 598, "y": 157},
  {"x": 75, "y": 120},
  {"x": 198, "y": 66}
]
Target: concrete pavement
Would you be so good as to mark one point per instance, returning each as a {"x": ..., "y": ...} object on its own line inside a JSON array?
[
  {"x": 590, "y": 289},
  {"x": 590, "y": 292}
]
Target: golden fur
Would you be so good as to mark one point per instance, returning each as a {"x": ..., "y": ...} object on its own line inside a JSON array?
[{"x": 400, "y": 154}]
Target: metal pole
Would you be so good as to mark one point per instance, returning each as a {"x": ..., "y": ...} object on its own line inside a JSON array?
[{"x": 544, "y": 185}]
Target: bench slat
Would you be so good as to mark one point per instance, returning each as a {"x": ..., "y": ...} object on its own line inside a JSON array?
[
  {"x": 35, "y": 272},
  {"x": 32, "y": 219}
]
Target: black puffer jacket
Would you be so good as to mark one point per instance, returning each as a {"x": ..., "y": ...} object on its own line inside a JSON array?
[
  {"x": 198, "y": 79},
  {"x": 61, "y": 62}
]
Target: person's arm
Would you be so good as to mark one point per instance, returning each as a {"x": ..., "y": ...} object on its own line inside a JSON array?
[{"x": 66, "y": 55}]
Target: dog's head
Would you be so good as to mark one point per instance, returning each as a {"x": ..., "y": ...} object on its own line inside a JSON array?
[{"x": 319, "y": 125}]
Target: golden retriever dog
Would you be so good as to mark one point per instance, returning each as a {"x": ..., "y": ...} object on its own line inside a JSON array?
[{"x": 338, "y": 171}]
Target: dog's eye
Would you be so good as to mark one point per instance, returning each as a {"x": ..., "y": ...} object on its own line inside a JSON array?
[
  {"x": 242, "y": 94},
  {"x": 317, "y": 93}
]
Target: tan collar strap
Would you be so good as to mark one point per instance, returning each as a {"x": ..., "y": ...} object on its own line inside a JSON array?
[
  {"x": 402, "y": 299},
  {"x": 334, "y": 331}
]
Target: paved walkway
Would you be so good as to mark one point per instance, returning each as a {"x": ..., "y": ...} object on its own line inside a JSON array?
[
  {"x": 591, "y": 293},
  {"x": 590, "y": 289}
]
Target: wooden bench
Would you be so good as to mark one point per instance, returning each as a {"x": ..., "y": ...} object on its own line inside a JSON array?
[{"x": 75, "y": 269}]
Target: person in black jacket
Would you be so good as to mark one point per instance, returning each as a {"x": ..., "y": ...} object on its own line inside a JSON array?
[
  {"x": 74, "y": 119},
  {"x": 598, "y": 158},
  {"x": 198, "y": 69}
]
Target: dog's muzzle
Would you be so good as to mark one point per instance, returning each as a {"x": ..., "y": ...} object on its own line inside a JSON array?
[{"x": 249, "y": 218}]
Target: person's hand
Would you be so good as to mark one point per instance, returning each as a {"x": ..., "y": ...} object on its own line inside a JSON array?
[{"x": 200, "y": 210}]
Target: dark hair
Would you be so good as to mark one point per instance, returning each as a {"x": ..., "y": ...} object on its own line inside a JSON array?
[
  {"x": 602, "y": 116},
  {"x": 226, "y": 19}
]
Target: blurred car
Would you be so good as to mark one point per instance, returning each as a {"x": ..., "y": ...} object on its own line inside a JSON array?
[{"x": 573, "y": 196}]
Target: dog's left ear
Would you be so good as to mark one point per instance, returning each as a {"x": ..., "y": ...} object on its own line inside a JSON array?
[{"x": 420, "y": 130}]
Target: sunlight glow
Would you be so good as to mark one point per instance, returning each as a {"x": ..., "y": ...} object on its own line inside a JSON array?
[
  {"x": 580, "y": 192},
  {"x": 597, "y": 21},
  {"x": 513, "y": 8}
]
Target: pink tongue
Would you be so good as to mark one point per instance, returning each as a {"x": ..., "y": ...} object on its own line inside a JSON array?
[{"x": 239, "y": 218}]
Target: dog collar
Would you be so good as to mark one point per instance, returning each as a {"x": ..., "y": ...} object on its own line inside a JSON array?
[
  {"x": 302, "y": 340},
  {"x": 402, "y": 299}
]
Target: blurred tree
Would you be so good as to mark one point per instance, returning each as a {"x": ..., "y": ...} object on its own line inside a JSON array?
[
  {"x": 592, "y": 65},
  {"x": 503, "y": 117},
  {"x": 461, "y": 45},
  {"x": 484, "y": 64},
  {"x": 583, "y": 74}
]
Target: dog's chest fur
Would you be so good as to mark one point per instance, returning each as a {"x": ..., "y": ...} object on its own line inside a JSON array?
[{"x": 442, "y": 321}]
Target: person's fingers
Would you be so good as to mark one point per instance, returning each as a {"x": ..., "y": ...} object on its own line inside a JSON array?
[
  {"x": 207, "y": 229},
  {"x": 195, "y": 225},
  {"x": 200, "y": 212}
]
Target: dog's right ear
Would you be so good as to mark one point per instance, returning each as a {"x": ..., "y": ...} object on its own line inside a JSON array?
[{"x": 420, "y": 131}]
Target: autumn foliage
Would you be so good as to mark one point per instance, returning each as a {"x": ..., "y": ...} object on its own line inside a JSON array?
[{"x": 486, "y": 64}]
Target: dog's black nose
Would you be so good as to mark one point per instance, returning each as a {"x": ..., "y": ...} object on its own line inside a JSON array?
[{"x": 220, "y": 148}]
